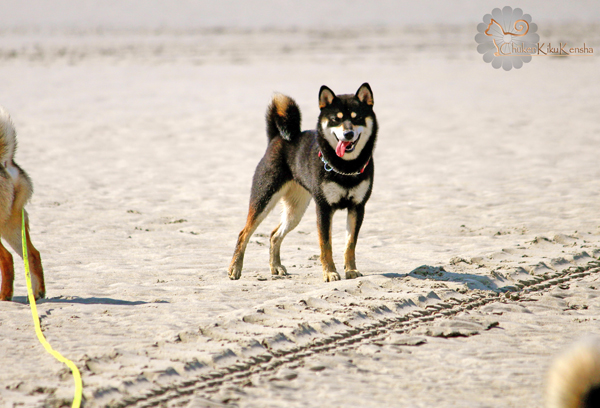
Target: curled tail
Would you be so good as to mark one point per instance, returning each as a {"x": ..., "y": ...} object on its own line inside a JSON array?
[
  {"x": 574, "y": 379},
  {"x": 8, "y": 137},
  {"x": 283, "y": 118}
]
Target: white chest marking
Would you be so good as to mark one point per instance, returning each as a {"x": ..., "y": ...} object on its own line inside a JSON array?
[
  {"x": 334, "y": 193},
  {"x": 358, "y": 193}
]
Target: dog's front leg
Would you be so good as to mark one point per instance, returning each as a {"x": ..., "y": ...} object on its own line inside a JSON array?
[
  {"x": 353, "y": 223},
  {"x": 324, "y": 217}
]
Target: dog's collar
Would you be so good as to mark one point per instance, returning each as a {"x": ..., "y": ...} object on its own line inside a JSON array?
[{"x": 329, "y": 167}]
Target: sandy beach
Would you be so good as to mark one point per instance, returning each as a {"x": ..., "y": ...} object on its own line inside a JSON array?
[{"x": 479, "y": 248}]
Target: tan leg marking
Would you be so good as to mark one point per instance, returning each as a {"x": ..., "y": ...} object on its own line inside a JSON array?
[
  {"x": 252, "y": 222},
  {"x": 237, "y": 262},
  {"x": 324, "y": 226},
  {"x": 349, "y": 254}
]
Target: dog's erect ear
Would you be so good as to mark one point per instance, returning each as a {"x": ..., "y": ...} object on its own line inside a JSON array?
[
  {"x": 364, "y": 94},
  {"x": 326, "y": 96}
]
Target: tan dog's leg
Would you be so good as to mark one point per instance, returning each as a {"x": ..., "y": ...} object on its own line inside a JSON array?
[
  {"x": 8, "y": 274},
  {"x": 35, "y": 264},
  {"x": 12, "y": 234},
  {"x": 7, "y": 198}
]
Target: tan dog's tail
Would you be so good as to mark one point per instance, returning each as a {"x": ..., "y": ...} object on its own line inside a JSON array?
[
  {"x": 15, "y": 186},
  {"x": 8, "y": 138},
  {"x": 574, "y": 379}
]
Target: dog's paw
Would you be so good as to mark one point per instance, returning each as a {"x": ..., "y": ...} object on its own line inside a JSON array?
[
  {"x": 39, "y": 290},
  {"x": 5, "y": 297},
  {"x": 352, "y": 274},
  {"x": 278, "y": 270},
  {"x": 331, "y": 276},
  {"x": 235, "y": 273}
]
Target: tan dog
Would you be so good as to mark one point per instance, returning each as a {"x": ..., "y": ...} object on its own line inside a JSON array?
[
  {"x": 15, "y": 191},
  {"x": 574, "y": 378}
]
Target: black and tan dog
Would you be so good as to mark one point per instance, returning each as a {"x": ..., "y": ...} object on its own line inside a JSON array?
[
  {"x": 15, "y": 190},
  {"x": 332, "y": 164}
]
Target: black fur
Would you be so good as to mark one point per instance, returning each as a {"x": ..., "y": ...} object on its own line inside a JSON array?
[
  {"x": 297, "y": 158},
  {"x": 287, "y": 125}
]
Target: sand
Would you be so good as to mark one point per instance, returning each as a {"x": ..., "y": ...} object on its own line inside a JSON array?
[{"x": 479, "y": 248}]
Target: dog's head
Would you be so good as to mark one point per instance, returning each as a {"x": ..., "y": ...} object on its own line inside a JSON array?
[{"x": 347, "y": 122}]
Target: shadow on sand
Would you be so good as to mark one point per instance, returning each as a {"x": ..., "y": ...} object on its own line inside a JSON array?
[
  {"x": 85, "y": 301},
  {"x": 438, "y": 273}
]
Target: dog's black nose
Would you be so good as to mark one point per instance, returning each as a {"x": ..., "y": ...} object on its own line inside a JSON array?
[{"x": 349, "y": 135}]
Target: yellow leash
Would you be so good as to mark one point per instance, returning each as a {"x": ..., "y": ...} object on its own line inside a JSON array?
[{"x": 38, "y": 329}]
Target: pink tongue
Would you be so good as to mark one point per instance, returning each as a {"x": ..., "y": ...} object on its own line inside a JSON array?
[{"x": 341, "y": 148}]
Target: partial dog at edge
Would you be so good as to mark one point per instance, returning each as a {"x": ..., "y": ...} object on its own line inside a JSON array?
[
  {"x": 332, "y": 164},
  {"x": 574, "y": 378},
  {"x": 15, "y": 190}
]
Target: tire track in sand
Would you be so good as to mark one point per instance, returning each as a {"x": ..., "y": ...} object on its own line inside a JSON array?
[{"x": 237, "y": 375}]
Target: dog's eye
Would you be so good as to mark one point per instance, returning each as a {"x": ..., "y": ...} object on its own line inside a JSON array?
[{"x": 334, "y": 119}]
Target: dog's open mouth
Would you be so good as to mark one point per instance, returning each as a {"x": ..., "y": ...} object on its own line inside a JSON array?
[{"x": 345, "y": 147}]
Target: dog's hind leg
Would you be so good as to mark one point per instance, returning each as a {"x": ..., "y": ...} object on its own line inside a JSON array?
[
  {"x": 7, "y": 198},
  {"x": 295, "y": 200},
  {"x": 255, "y": 217},
  {"x": 8, "y": 274},
  {"x": 11, "y": 230},
  {"x": 353, "y": 224},
  {"x": 268, "y": 187},
  {"x": 12, "y": 234}
]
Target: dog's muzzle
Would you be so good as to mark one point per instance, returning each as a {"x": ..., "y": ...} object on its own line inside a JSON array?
[
  {"x": 348, "y": 135},
  {"x": 346, "y": 140}
]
